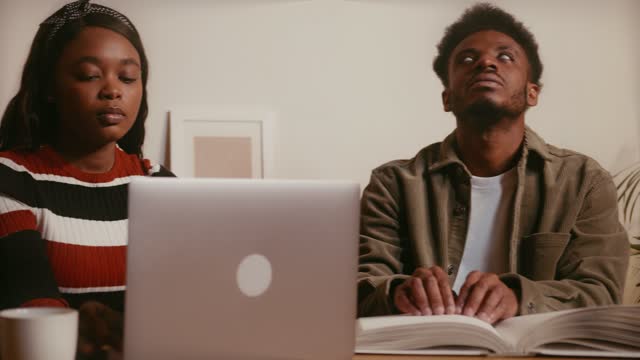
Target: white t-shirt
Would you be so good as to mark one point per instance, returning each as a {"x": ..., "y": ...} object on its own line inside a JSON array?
[{"x": 487, "y": 246}]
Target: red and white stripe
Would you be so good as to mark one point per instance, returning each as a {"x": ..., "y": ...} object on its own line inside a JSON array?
[
  {"x": 70, "y": 230},
  {"x": 62, "y": 178}
]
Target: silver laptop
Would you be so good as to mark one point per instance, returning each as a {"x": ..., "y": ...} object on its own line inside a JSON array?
[{"x": 241, "y": 269}]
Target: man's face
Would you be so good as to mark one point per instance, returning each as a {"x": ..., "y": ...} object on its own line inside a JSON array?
[{"x": 489, "y": 78}]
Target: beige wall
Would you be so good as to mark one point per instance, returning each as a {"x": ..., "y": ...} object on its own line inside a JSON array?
[{"x": 351, "y": 82}]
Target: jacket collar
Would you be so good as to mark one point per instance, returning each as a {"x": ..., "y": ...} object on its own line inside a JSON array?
[{"x": 448, "y": 155}]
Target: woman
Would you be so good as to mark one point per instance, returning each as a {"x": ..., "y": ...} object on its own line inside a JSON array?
[{"x": 70, "y": 141}]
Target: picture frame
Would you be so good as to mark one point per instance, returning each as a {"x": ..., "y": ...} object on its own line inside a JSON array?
[{"x": 221, "y": 143}]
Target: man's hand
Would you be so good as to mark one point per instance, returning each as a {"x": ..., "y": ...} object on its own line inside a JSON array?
[
  {"x": 484, "y": 296},
  {"x": 426, "y": 292}
]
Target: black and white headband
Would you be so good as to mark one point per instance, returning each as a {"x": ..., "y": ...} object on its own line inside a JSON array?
[{"x": 79, "y": 9}]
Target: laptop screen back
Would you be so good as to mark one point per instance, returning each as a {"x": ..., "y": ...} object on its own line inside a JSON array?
[{"x": 241, "y": 269}]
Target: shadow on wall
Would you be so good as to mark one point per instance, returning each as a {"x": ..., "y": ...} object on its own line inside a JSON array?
[{"x": 167, "y": 147}]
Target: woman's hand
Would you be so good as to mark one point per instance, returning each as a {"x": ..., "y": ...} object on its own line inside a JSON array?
[{"x": 100, "y": 331}]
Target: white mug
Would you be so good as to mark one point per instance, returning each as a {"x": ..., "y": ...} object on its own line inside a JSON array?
[{"x": 38, "y": 334}]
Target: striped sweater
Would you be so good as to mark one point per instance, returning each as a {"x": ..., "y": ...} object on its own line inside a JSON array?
[{"x": 63, "y": 232}]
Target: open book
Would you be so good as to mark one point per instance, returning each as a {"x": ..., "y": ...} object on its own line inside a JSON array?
[{"x": 607, "y": 331}]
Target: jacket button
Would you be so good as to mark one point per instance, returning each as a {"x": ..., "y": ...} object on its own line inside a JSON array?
[
  {"x": 531, "y": 307},
  {"x": 450, "y": 269},
  {"x": 459, "y": 210}
]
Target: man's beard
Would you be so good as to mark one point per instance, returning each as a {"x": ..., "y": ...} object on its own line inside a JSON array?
[{"x": 485, "y": 113}]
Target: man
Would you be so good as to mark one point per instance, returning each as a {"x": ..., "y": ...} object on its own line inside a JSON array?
[{"x": 492, "y": 222}]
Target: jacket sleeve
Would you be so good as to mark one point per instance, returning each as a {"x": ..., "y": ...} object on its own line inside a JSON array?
[
  {"x": 381, "y": 245},
  {"x": 26, "y": 278},
  {"x": 592, "y": 269}
]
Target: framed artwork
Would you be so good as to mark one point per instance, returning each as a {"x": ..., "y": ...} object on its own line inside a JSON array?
[{"x": 221, "y": 143}]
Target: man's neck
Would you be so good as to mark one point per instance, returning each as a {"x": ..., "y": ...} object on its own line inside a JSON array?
[
  {"x": 96, "y": 160},
  {"x": 492, "y": 150}
]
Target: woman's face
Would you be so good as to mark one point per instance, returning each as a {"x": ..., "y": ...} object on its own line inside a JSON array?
[{"x": 97, "y": 89}]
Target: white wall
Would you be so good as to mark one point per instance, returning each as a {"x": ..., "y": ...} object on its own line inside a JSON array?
[{"x": 351, "y": 81}]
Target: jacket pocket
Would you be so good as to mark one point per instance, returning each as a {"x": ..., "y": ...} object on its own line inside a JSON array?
[{"x": 539, "y": 254}]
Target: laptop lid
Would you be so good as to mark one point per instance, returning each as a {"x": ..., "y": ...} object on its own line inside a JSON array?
[{"x": 241, "y": 269}]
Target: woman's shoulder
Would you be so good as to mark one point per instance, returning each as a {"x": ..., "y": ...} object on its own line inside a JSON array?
[
  {"x": 34, "y": 161},
  {"x": 22, "y": 169},
  {"x": 18, "y": 169},
  {"x": 131, "y": 164},
  {"x": 158, "y": 170}
]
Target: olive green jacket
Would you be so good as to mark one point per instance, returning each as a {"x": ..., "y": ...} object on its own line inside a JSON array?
[{"x": 567, "y": 247}]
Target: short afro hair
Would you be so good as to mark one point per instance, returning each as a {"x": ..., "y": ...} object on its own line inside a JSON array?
[{"x": 482, "y": 17}]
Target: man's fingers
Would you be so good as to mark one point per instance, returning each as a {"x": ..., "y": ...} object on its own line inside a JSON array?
[
  {"x": 499, "y": 313},
  {"x": 508, "y": 304},
  {"x": 462, "y": 298},
  {"x": 448, "y": 300},
  {"x": 489, "y": 310},
  {"x": 476, "y": 295},
  {"x": 490, "y": 300},
  {"x": 465, "y": 290},
  {"x": 420, "y": 297},
  {"x": 402, "y": 302},
  {"x": 433, "y": 293},
  {"x": 446, "y": 294},
  {"x": 439, "y": 298}
]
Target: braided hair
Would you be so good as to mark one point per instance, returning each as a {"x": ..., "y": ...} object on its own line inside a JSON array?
[{"x": 30, "y": 118}]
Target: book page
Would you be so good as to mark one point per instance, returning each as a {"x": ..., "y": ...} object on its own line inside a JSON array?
[
  {"x": 402, "y": 332},
  {"x": 444, "y": 350},
  {"x": 563, "y": 349},
  {"x": 607, "y": 331},
  {"x": 515, "y": 329}
]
